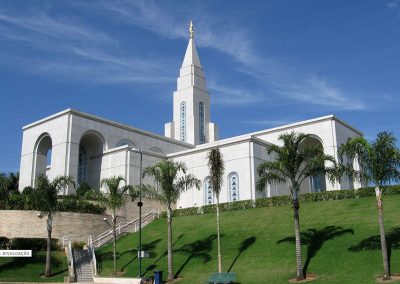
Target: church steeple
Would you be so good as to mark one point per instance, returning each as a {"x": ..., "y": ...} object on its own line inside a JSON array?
[
  {"x": 191, "y": 56},
  {"x": 191, "y": 114}
]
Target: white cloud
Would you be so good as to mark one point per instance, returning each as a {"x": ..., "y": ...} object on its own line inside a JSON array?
[
  {"x": 83, "y": 52},
  {"x": 231, "y": 40},
  {"x": 75, "y": 50},
  {"x": 233, "y": 96}
]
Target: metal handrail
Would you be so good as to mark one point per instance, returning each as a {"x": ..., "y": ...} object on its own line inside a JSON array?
[
  {"x": 70, "y": 257},
  {"x": 92, "y": 255},
  {"x": 107, "y": 235}
]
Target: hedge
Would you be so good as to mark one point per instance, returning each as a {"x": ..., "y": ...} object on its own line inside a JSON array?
[
  {"x": 67, "y": 203},
  {"x": 286, "y": 200},
  {"x": 34, "y": 244}
]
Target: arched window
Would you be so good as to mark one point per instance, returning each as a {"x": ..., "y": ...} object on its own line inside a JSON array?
[
  {"x": 82, "y": 162},
  {"x": 183, "y": 121},
  {"x": 42, "y": 156},
  {"x": 201, "y": 123},
  {"x": 317, "y": 182},
  {"x": 208, "y": 192},
  {"x": 233, "y": 186},
  {"x": 90, "y": 158}
]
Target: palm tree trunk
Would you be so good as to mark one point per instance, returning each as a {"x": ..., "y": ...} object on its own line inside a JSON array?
[
  {"x": 219, "y": 239},
  {"x": 114, "y": 221},
  {"x": 299, "y": 268},
  {"x": 386, "y": 272},
  {"x": 170, "y": 268},
  {"x": 47, "y": 272}
]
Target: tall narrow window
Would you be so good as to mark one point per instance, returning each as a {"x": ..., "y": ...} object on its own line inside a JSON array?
[
  {"x": 82, "y": 165},
  {"x": 183, "y": 121},
  {"x": 201, "y": 123},
  {"x": 208, "y": 192},
  {"x": 318, "y": 183},
  {"x": 233, "y": 187}
]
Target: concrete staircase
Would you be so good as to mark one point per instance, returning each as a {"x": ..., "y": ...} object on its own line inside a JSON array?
[
  {"x": 125, "y": 227},
  {"x": 83, "y": 265}
]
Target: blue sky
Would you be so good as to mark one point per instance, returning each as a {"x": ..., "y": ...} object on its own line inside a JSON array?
[{"x": 267, "y": 63}]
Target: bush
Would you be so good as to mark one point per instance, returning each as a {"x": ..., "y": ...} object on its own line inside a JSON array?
[
  {"x": 72, "y": 204},
  {"x": 78, "y": 245},
  {"x": 286, "y": 200},
  {"x": 35, "y": 244},
  {"x": 82, "y": 189},
  {"x": 4, "y": 243}
]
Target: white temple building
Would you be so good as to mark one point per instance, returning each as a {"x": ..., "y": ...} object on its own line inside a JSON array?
[{"x": 90, "y": 148}]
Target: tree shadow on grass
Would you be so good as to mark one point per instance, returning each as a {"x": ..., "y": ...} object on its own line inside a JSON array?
[
  {"x": 145, "y": 247},
  {"x": 196, "y": 249},
  {"x": 314, "y": 239},
  {"x": 374, "y": 243},
  {"x": 244, "y": 245},
  {"x": 19, "y": 262},
  {"x": 164, "y": 254}
]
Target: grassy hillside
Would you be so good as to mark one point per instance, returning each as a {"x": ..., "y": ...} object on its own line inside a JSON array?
[
  {"x": 31, "y": 269},
  {"x": 256, "y": 243}
]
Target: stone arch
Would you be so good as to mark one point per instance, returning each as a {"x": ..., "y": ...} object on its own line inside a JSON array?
[
  {"x": 42, "y": 156},
  {"x": 123, "y": 142},
  {"x": 91, "y": 148},
  {"x": 316, "y": 183}
]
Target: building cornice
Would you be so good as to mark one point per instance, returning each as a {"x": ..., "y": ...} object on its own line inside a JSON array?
[
  {"x": 109, "y": 122},
  {"x": 306, "y": 122}
]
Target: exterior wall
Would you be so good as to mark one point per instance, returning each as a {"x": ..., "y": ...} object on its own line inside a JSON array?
[
  {"x": 322, "y": 130},
  {"x": 342, "y": 134},
  {"x": 26, "y": 224},
  {"x": 57, "y": 129},
  {"x": 236, "y": 158},
  {"x": 68, "y": 128}
]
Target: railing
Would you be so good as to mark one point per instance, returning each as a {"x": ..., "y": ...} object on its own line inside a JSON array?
[
  {"x": 122, "y": 227},
  {"x": 70, "y": 257},
  {"x": 92, "y": 255},
  {"x": 65, "y": 241}
]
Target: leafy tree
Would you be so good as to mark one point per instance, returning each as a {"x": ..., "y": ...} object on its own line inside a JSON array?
[
  {"x": 171, "y": 181},
  {"x": 45, "y": 200},
  {"x": 294, "y": 162},
  {"x": 8, "y": 189},
  {"x": 83, "y": 190},
  {"x": 379, "y": 163},
  {"x": 216, "y": 167},
  {"x": 113, "y": 199}
]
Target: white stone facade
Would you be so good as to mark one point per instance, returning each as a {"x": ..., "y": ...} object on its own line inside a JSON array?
[{"x": 90, "y": 148}]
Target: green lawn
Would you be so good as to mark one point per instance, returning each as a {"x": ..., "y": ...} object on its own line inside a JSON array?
[
  {"x": 30, "y": 269},
  {"x": 256, "y": 243}
]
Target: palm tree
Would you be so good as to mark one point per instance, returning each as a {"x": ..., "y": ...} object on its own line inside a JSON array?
[
  {"x": 216, "y": 167},
  {"x": 171, "y": 180},
  {"x": 45, "y": 200},
  {"x": 379, "y": 164},
  {"x": 113, "y": 199},
  {"x": 294, "y": 162}
]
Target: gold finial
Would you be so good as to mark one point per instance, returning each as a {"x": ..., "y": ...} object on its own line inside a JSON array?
[{"x": 191, "y": 29}]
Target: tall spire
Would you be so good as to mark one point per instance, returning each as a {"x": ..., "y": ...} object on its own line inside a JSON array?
[
  {"x": 191, "y": 29},
  {"x": 191, "y": 56},
  {"x": 191, "y": 111}
]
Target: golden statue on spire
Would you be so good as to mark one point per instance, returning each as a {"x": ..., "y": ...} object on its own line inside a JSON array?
[{"x": 191, "y": 29}]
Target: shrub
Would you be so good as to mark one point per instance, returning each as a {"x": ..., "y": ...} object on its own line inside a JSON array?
[
  {"x": 82, "y": 189},
  {"x": 286, "y": 200},
  {"x": 72, "y": 204},
  {"x": 4, "y": 243},
  {"x": 78, "y": 245},
  {"x": 35, "y": 244}
]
